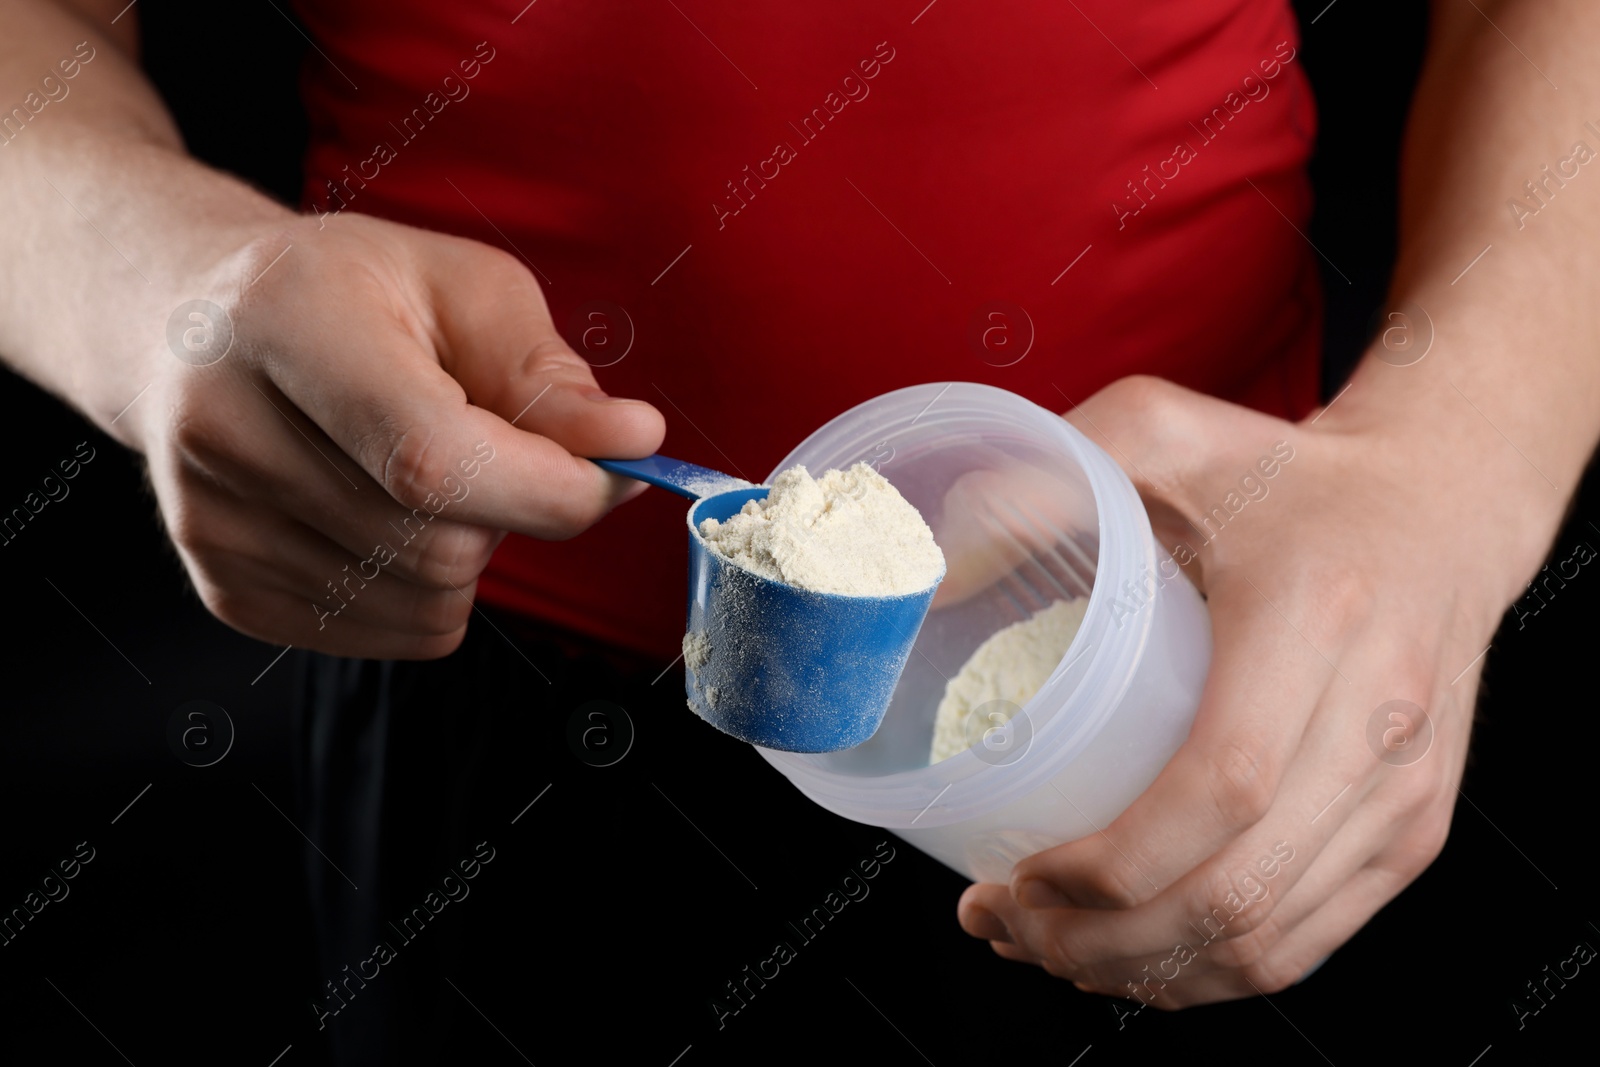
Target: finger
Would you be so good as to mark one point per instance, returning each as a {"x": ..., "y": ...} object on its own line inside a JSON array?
[
  {"x": 1164, "y": 435},
  {"x": 1224, "y": 916},
  {"x": 283, "y": 618},
  {"x": 1170, "y": 981},
  {"x": 979, "y": 909},
  {"x": 336, "y": 499},
  {"x": 1340, "y": 811},
  {"x": 496, "y": 338},
  {"x": 987, "y": 911},
  {"x": 1387, "y": 830},
  {"x": 1168, "y": 440},
  {"x": 976, "y": 915},
  {"x": 392, "y": 408},
  {"x": 1232, "y": 902},
  {"x": 238, "y": 552},
  {"x": 1330, "y": 926},
  {"x": 1391, "y": 835},
  {"x": 349, "y": 638},
  {"x": 1359, "y": 810},
  {"x": 1263, "y": 683},
  {"x": 1007, "y": 951},
  {"x": 1031, "y": 937},
  {"x": 1335, "y": 794},
  {"x": 331, "y": 587}
]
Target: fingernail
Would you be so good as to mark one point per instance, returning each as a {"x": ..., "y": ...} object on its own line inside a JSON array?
[
  {"x": 986, "y": 924},
  {"x": 600, "y": 396},
  {"x": 1037, "y": 893}
]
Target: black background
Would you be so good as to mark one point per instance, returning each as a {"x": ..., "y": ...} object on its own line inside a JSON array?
[{"x": 187, "y": 938}]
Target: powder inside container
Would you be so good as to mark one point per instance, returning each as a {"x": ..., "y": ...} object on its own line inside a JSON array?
[
  {"x": 848, "y": 532},
  {"x": 1003, "y": 674}
]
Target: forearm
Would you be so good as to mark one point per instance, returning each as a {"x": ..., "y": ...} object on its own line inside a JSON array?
[
  {"x": 110, "y": 225},
  {"x": 1509, "y": 394}
]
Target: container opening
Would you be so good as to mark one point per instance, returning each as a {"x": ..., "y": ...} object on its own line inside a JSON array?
[{"x": 1017, "y": 522}]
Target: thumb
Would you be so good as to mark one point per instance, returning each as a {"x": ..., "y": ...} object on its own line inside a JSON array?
[
  {"x": 1149, "y": 427},
  {"x": 496, "y": 339},
  {"x": 1171, "y": 441}
]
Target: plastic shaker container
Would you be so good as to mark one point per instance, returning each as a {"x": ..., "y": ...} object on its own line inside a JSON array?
[{"x": 1028, "y": 511}]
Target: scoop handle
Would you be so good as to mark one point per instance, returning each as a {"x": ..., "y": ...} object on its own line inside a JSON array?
[{"x": 675, "y": 475}]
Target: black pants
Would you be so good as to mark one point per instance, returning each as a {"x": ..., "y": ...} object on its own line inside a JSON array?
[
  {"x": 409, "y": 776},
  {"x": 489, "y": 881}
]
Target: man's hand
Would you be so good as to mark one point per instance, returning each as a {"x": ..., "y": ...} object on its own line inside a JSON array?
[
  {"x": 393, "y": 401},
  {"x": 1362, "y": 576},
  {"x": 1376, "y": 570}
]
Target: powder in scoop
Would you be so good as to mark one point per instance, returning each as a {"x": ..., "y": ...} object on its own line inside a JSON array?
[
  {"x": 1010, "y": 666},
  {"x": 848, "y": 532}
]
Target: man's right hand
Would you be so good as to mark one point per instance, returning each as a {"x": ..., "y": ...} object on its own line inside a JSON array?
[
  {"x": 369, "y": 362},
  {"x": 381, "y": 380}
]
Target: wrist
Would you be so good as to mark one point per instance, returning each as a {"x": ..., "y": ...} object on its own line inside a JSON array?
[
  {"x": 1469, "y": 482},
  {"x": 186, "y": 323}
]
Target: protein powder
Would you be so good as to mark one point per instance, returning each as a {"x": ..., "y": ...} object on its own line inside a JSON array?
[
  {"x": 848, "y": 532},
  {"x": 1002, "y": 675}
]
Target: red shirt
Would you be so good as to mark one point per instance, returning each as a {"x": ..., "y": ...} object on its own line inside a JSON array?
[{"x": 820, "y": 202}]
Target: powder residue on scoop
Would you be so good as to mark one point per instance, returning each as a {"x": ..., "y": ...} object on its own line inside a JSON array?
[
  {"x": 711, "y": 483},
  {"x": 696, "y": 649},
  {"x": 849, "y": 532},
  {"x": 1009, "y": 667}
]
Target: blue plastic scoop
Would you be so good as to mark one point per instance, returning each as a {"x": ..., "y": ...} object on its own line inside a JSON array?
[{"x": 778, "y": 666}]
